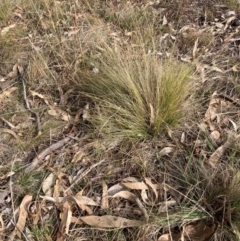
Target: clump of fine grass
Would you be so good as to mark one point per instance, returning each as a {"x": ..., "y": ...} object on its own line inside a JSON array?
[
  {"x": 136, "y": 95},
  {"x": 215, "y": 190}
]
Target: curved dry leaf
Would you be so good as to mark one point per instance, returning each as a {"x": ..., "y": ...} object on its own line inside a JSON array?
[
  {"x": 23, "y": 213},
  {"x": 105, "y": 203},
  {"x": 115, "y": 189},
  {"x": 142, "y": 208},
  {"x": 7, "y": 28},
  {"x": 215, "y": 135},
  {"x": 109, "y": 221},
  {"x": 229, "y": 21},
  {"x": 214, "y": 158},
  {"x": 234, "y": 124},
  {"x": 132, "y": 197},
  {"x": 165, "y": 151},
  {"x": 9, "y": 174},
  {"x": 85, "y": 208},
  {"x": 34, "y": 210},
  {"x": 153, "y": 186},
  {"x": 170, "y": 237},
  {"x": 66, "y": 217},
  {"x": 78, "y": 156},
  {"x": 152, "y": 115},
  {"x": 126, "y": 195},
  {"x": 135, "y": 185},
  {"x": 198, "y": 230},
  {"x": 130, "y": 179},
  {"x": 56, "y": 188},
  {"x": 195, "y": 49},
  {"x": 76, "y": 220},
  {"x": 183, "y": 137},
  {"x": 47, "y": 184},
  {"x": 52, "y": 199},
  {"x": 86, "y": 113},
  {"x": 164, "y": 206},
  {"x": 82, "y": 200},
  {"x": 9, "y": 123},
  {"x": 145, "y": 198},
  {"x": 34, "y": 93},
  {"x": 5, "y": 130},
  {"x": 7, "y": 92},
  {"x": 165, "y": 21},
  {"x": 59, "y": 114}
]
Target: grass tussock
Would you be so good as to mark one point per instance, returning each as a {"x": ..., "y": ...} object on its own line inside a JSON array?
[{"x": 136, "y": 95}]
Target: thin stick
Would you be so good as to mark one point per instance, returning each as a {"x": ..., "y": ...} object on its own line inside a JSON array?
[
  {"x": 45, "y": 152},
  {"x": 83, "y": 174},
  {"x": 39, "y": 129}
]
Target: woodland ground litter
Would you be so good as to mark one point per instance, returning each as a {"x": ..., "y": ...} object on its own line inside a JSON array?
[{"x": 119, "y": 120}]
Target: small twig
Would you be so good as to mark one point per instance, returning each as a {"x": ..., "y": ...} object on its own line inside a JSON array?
[
  {"x": 39, "y": 129},
  {"x": 11, "y": 190},
  {"x": 227, "y": 99},
  {"x": 45, "y": 152},
  {"x": 83, "y": 174}
]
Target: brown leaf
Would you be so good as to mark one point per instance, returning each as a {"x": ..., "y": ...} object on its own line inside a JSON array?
[
  {"x": 34, "y": 93},
  {"x": 198, "y": 230},
  {"x": 170, "y": 237},
  {"x": 78, "y": 156},
  {"x": 66, "y": 217},
  {"x": 82, "y": 200},
  {"x": 7, "y": 93},
  {"x": 109, "y": 221},
  {"x": 135, "y": 185},
  {"x": 146, "y": 199},
  {"x": 195, "y": 49},
  {"x": 47, "y": 184},
  {"x": 214, "y": 158},
  {"x": 215, "y": 135},
  {"x": 86, "y": 114},
  {"x": 126, "y": 195},
  {"x": 6, "y": 29},
  {"x": 132, "y": 197},
  {"x": 59, "y": 114},
  {"x": 165, "y": 151},
  {"x": 153, "y": 186},
  {"x": 34, "y": 210},
  {"x": 105, "y": 203},
  {"x": 152, "y": 115},
  {"x": 164, "y": 206},
  {"x": 23, "y": 214},
  {"x": 115, "y": 189},
  {"x": 9, "y": 174},
  {"x": 56, "y": 188}
]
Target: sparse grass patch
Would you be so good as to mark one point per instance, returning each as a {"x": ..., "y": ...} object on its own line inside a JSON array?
[
  {"x": 28, "y": 183},
  {"x": 136, "y": 94},
  {"x": 232, "y": 4},
  {"x": 5, "y": 9},
  {"x": 214, "y": 190}
]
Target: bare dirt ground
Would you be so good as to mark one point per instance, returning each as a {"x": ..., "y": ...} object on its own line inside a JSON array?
[{"x": 63, "y": 179}]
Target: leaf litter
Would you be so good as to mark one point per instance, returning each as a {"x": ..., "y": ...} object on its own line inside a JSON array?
[{"x": 139, "y": 193}]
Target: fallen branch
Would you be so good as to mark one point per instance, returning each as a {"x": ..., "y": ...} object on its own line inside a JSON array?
[{"x": 45, "y": 152}]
